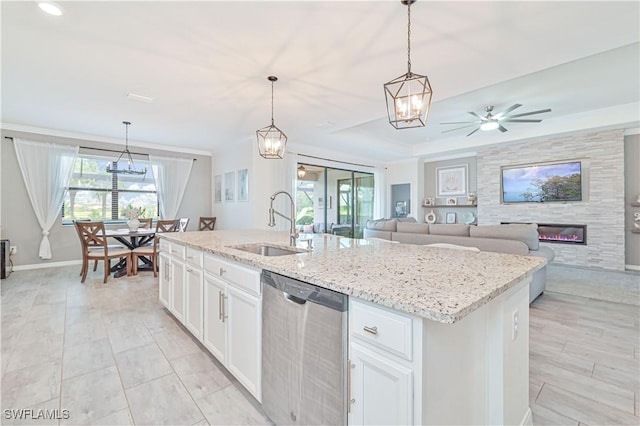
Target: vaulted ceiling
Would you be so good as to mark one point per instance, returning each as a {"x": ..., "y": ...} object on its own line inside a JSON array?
[{"x": 206, "y": 66}]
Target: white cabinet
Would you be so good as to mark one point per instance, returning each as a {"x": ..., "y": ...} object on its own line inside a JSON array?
[
  {"x": 244, "y": 331},
  {"x": 194, "y": 296},
  {"x": 215, "y": 329},
  {"x": 381, "y": 389},
  {"x": 177, "y": 289},
  {"x": 172, "y": 278},
  {"x": 233, "y": 319},
  {"x": 165, "y": 280},
  {"x": 381, "y": 345}
]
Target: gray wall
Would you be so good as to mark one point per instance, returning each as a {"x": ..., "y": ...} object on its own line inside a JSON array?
[
  {"x": 19, "y": 224},
  {"x": 632, "y": 191},
  {"x": 602, "y": 208},
  {"x": 400, "y": 192},
  {"x": 431, "y": 191}
]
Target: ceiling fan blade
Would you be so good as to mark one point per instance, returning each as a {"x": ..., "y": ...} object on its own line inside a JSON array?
[
  {"x": 502, "y": 128},
  {"x": 462, "y": 122},
  {"x": 529, "y": 113},
  {"x": 520, "y": 120},
  {"x": 507, "y": 111},
  {"x": 477, "y": 128},
  {"x": 478, "y": 116},
  {"x": 458, "y": 128}
]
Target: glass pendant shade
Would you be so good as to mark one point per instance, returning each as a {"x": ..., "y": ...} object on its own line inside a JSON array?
[
  {"x": 272, "y": 141},
  {"x": 408, "y": 100}
]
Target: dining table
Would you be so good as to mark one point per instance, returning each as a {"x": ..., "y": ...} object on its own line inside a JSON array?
[{"x": 131, "y": 240}]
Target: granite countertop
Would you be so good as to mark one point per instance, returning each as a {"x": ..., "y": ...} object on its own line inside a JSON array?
[{"x": 438, "y": 284}]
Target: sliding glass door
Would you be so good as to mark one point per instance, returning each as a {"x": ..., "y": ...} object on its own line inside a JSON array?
[{"x": 332, "y": 200}]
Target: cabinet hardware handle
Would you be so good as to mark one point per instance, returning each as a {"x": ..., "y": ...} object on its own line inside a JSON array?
[
  {"x": 372, "y": 330},
  {"x": 220, "y": 302},
  {"x": 222, "y": 271},
  {"x": 350, "y": 400},
  {"x": 224, "y": 310},
  {"x": 189, "y": 257},
  {"x": 189, "y": 270}
]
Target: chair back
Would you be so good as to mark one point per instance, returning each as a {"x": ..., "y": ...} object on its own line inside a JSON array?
[
  {"x": 207, "y": 223},
  {"x": 167, "y": 225},
  {"x": 91, "y": 234},
  {"x": 146, "y": 223},
  {"x": 184, "y": 222}
]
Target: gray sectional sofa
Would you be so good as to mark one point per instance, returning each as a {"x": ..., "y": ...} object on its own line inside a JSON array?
[{"x": 513, "y": 239}]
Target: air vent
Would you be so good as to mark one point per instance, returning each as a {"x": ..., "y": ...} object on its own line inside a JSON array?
[{"x": 139, "y": 98}]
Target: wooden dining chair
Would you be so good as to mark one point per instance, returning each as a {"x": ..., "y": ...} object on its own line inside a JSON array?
[
  {"x": 207, "y": 223},
  {"x": 184, "y": 222},
  {"x": 95, "y": 247},
  {"x": 146, "y": 223},
  {"x": 152, "y": 251}
]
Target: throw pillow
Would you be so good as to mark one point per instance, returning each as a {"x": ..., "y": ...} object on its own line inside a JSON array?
[{"x": 307, "y": 229}]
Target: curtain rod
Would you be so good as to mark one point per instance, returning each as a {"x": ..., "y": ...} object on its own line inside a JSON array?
[
  {"x": 104, "y": 149},
  {"x": 336, "y": 161}
]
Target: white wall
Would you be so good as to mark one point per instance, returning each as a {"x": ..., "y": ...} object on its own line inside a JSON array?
[{"x": 406, "y": 172}]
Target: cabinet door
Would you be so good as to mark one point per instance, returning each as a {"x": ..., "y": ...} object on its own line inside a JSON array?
[
  {"x": 165, "y": 280},
  {"x": 244, "y": 339},
  {"x": 177, "y": 289},
  {"x": 194, "y": 301},
  {"x": 381, "y": 389},
  {"x": 214, "y": 337}
]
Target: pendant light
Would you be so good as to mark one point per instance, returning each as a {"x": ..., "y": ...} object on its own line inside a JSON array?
[
  {"x": 302, "y": 172},
  {"x": 271, "y": 140},
  {"x": 408, "y": 96},
  {"x": 131, "y": 168}
]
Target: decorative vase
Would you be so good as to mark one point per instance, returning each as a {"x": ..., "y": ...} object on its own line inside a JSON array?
[
  {"x": 430, "y": 217},
  {"x": 133, "y": 224}
]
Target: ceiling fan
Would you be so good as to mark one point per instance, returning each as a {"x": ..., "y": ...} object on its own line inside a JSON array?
[{"x": 492, "y": 122}]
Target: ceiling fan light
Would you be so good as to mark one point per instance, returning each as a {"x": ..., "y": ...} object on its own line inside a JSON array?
[
  {"x": 50, "y": 7},
  {"x": 490, "y": 125}
]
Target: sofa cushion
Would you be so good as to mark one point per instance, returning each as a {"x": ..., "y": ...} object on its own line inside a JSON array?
[
  {"x": 457, "y": 230},
  {"x": 383, "y": 225},
  {"x": 526, "y": 233},
  {"x": 413, "y": 228},
  {"x": 307, "y": 229},
  {"x": 452, "y": 246},
  {"x": 484, "y": 244},
  {"x": 409, "y": 219},
  {"x": 372, "y": 233}
]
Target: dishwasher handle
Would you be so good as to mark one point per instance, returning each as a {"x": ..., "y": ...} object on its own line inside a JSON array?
[{"x": 294, "y": 299}]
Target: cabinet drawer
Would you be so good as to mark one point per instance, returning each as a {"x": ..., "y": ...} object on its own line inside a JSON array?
[
  {"x": 178, "y": 251},
  {"x": 242, "y": 277},
  {"x": 381, "y": 327},
  {"x": 164, "y": 246},
  {"x": 194, "y": 257}
]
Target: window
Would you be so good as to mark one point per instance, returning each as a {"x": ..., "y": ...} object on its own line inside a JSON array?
[{"x": 97, "y": 195}]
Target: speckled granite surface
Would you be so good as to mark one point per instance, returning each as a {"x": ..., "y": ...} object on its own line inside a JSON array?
[{"x": 439, "y": 284}]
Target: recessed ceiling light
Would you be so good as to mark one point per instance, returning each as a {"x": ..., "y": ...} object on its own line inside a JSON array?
[
  {"x": 50, "y": 7},
  {"x": 139, "y": 98}
]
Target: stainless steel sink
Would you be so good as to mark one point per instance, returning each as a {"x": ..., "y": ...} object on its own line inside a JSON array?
[{"x": 267, "y": 250}]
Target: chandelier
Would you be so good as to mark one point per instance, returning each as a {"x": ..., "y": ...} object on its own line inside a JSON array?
[
  {"x": 271, "y": 140},
  {"x": 408, "y": 96},
  {"x": 131, "y": 168}
]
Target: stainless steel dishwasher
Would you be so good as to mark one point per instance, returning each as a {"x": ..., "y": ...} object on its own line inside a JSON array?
[{"x": 304, "y": 352}]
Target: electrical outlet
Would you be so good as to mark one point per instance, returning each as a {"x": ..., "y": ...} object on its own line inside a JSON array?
[
  {"x": 514, "y": 325},
  {"x": 13, "y": 250}
]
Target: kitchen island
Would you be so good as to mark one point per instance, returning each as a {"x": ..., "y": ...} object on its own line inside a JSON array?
[{"x": 456, "y": 350}]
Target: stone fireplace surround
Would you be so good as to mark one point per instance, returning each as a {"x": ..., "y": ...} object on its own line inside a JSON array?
[{"x": 602, "y": 208}]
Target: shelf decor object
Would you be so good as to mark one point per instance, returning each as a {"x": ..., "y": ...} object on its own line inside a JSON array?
[
  {"x": 271, "y": 140},
  {"x": 408, "y": 96},
  {"x": 131, "y": 167}
]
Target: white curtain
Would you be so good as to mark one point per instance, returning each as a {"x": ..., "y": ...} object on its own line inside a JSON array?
[
  {"x": 171, "y": 176},
  {"x": 46, "y": 169}
]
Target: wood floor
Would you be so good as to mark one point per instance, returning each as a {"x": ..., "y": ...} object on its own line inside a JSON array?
[
  {"x": 584, "y": 359},
  {"x": 112, "y": 355}
]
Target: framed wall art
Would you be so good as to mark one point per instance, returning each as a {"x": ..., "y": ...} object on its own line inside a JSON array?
[
  {"x": 452, "y": 181},
  {"x": 229, "y": 186},
  {"x": 243, "y": 185}
]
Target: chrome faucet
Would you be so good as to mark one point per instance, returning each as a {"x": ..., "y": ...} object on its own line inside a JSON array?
[{"x": 293, "y": 234}]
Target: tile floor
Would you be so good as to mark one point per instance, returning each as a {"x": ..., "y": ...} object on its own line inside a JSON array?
[{"x": 109, "y": 354}]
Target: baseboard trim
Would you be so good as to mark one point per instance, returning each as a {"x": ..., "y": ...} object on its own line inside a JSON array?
[
  {"x": 632, "y": 267},
  {"x": 46, "y": 265},
  {"x": 528, "y": 418}
]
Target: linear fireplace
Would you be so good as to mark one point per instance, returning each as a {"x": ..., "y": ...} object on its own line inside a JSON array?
[{"x": 561, "y": 233}]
